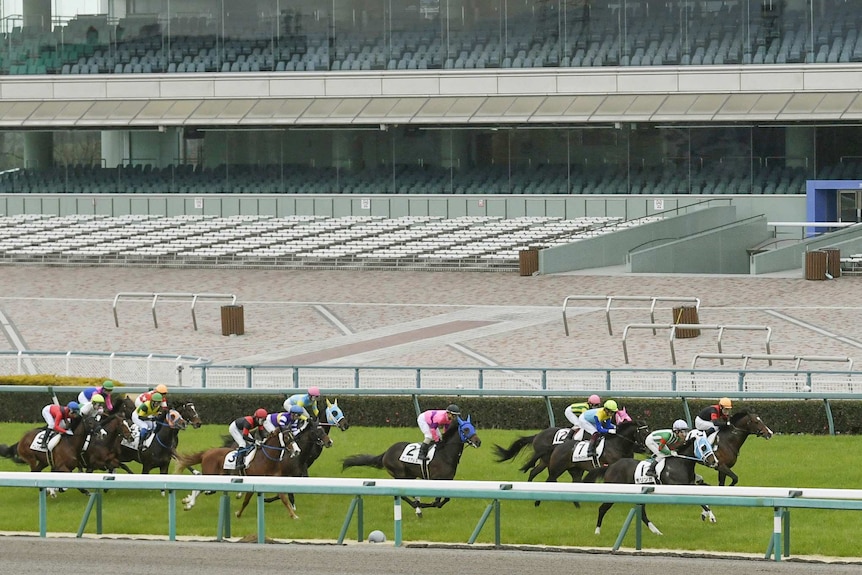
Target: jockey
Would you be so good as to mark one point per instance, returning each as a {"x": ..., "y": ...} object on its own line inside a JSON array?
[
  {"x": 308, "y": 401},
  {"x": 713, "y": 418},
  {"x": 160, "y": 388},
  {"x": 243, "y": 430},
  {"x": 144, "y": 416},
  {"x": 597, "y": 422},
  {"x": 58, "y": 419},
  {"x": 104, "y": 390},
  {"x": 94, "y": 407},
  {"x": 574, "y": 411},
  {"x": 430, "y": 423},
  {"x": 662, "y": 442},
  {"x": 282, "y": 420}
]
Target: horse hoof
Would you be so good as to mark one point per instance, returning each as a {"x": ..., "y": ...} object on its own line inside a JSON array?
[
  {"x": 598, "y": 530},
  {"x": 655, "y": 529},
  {"x": 536, "y": 503}
]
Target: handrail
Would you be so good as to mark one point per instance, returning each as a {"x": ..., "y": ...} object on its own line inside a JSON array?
[
  {"x": 781, "y": 499},
  {"x": 695, "y": 326},
  {"x": 174, "y": 296},
  {"x": 772, "y": 357},
  {"x": 611, "y": 298}
]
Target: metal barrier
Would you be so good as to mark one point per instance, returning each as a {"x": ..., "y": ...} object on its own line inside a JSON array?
[
  {"x": 746, "y": 357},
  {"x": 781, "y": 499},
  {"x": 177, "y": 296},
  {"x": 674, "y": 326},
  {"x": 144, "y": 369},
  {"x": 610, "y": 299}
]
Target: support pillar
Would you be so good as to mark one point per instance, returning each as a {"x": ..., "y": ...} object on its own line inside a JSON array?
[{"x": 38, "y": 150}]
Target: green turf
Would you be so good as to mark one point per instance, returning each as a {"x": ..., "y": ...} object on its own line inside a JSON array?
[{"x": 784, "y": 461}]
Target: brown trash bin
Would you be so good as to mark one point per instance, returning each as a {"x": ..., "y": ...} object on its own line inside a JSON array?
[
  {"x": 833, "y": 262},
  {"x": 528, "y": 261},
  {"x": 815, "y": 265},
  {"x": 232, "y": 320},
  {"x": 685, "y": 314}
]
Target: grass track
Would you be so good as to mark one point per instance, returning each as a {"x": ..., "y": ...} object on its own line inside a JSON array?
[{"x": 784, "y": 461}]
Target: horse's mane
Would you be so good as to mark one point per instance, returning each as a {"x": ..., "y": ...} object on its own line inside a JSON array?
[
  {"x": 452, "y": 430},
  {"x": 736, "y": 417}
]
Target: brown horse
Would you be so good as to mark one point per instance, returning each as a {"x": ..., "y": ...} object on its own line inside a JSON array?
[
  {"x": 730, "y": 439},
  {"x": 266, "y": 463},
  {"x": 102, "y": 450}
]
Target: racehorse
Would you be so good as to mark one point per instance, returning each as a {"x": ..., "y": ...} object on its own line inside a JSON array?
[
  {"x": 730, "y": 440},
  {"x": 571, "y": 455},
  {"x": 266, "y": 463},
  {"x": 543, "y": 444},
  {"x": 401, "y": 459},
  {"x": 672, "y": 470},
  {"x": 163, "y": 447},
  {"x": 102, "y": 451}
]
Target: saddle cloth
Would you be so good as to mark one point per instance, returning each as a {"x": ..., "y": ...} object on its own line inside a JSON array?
[
  {"x": 579, "y": 452},
  {"x": 641, "y": 478},
  {"x": 136, "y": 435},
  {"x": 230, "y": 459},
  {"x": 411, "y": 453}
]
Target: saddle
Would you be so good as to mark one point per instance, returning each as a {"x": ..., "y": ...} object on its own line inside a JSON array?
[{"x": 411, "y": 454}]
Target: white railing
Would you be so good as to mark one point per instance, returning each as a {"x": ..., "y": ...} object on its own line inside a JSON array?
[{"x": 781, "y": 499}]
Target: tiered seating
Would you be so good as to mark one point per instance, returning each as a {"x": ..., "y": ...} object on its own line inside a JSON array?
[
  {"x": 479, "y": 242},
  {"x": 669, "y": 33},
  {"x": 716, "y": 177}
]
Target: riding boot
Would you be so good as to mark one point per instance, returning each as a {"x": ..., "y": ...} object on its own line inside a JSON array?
[
  {"x": 591, "y": 448},
  {"x": 45, "y": 437},
  {"x": 651, "y": 471},
  {"x": 423, "y": 451}
]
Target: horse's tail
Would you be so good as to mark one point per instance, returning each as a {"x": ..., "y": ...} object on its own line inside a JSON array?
[
  {"x": 503, "y": 454},
  {"x": 362, "y": 460},
  {"x": 10, "y": 452},
  {"x": 593, "y": 474},
  {"x": 186, "y": 460}
]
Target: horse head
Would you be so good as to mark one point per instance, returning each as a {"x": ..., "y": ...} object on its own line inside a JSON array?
[
  {"x": 698, "y": 447},
  {"x": 750, "y": 422},
  {"x": 621, "y": 416},
  {"x": 188, "y": 412},
  {"x": 174, "y": 420},
  {"x": 334, "y": 415},
  {"x": 467, "y": 432}
]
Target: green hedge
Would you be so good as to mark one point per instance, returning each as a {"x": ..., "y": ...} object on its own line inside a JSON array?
[{"x": 489, "y": 412}]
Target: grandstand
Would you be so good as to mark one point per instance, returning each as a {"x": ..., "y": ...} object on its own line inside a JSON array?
[{"x": 277, "y": 109}]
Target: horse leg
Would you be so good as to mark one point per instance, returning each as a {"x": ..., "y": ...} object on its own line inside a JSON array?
[
  {"x": 706, "y": 514},
  {"x": 416, "y": 504},
  {"x": 603, "y": 509},
  {"x": 540, "y": 467},
  {"x": 190, "y": 499},
  {"x": 287, "y": 505},
  {"x": 724, "y": 473},
  {"x": 245, "y": 501}
]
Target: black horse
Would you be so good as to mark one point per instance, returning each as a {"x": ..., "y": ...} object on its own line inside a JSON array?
[
  {"x": 401, "y": 460},
  {"x": 730, "y": 439},
  {"x": 543, "y": 444},
  {"x": 571, "y": 455},
  {"x": 671, "y": 471},
  {"x": 103, "y": 446},
  {"x": 163, "y": 447}
]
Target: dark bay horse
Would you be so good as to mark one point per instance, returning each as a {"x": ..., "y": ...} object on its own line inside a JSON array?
[
  {"x": 571, "y": 455},
  {"x": 401, "y": 461},
  {"x": 671, "y": 471},
  {"x": 266, "y": 463},
  {"x": 102, "y": 448},
  {"x": 543, "y": 444},
  {"x": 163, "y": 447},
  {"x": 730, "y": 440},
  {"x": 312, "y": 440}
]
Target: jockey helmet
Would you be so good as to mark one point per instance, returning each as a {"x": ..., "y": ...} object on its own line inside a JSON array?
[
  {"x": 260, "y": 413},
  {"x": 680, "y": 425},
  {"x": 108, "y": 385},
  {"x": 314, "y": 391},
  {"x": 611, "y": 405},
  {"x": 73, "y": 407},
  {"x": 453, "y": 409},
  {"x": 97, "y": 398},
  {"x": 156, "y": 397},
  {"x": 594, "y": 400},
  {"x": 296, "y": 409},
  {"x": 725, "y": 402},
  {"x": 161, "y": 388}
]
